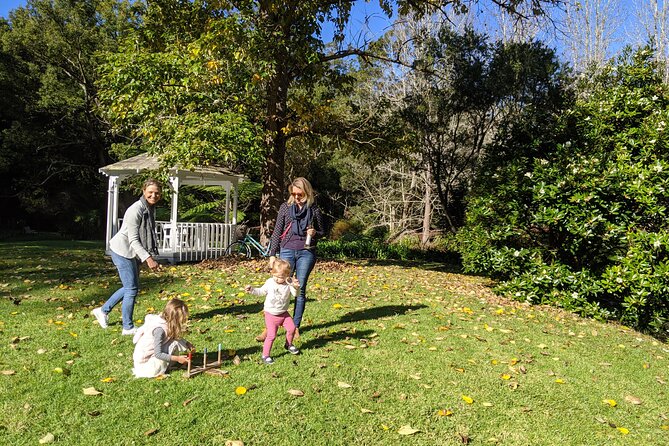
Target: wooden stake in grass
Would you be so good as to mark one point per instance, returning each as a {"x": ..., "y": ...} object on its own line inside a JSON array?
[{"x": 194, "y": 370}]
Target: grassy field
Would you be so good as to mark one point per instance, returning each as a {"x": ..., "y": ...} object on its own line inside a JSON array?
[{"x": 410, "y": 354}]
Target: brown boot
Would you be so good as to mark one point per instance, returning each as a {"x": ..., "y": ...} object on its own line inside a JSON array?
[{"x": 261, "y": 337}]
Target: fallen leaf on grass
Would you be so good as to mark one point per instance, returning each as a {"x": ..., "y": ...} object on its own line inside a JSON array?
[
  {"x": 8, "y": 372},
  {"x": 407, "y": 430},
  {"x": 611, "y": 403},
  {"x": 363, "y": 410},
  {"x": 188, "y": 401},
  {"x": 48, "y": 438},
  {"x": 343, "y": 385},
  {"x": 234, "y": 443},
  {"x": 486, "y": 404},
  {"x": 633, "y": 400},
  {"x": 296, "y": 392},
  {"x": 151, "y": 432},
  {"x": 108, "y": 380},
  {"x": 467, "y": 399},
  {"x": 236, "y": 360},
  {"x": 240, "y": 390},
  {"x": 444, "y": 413},
  {"x": 91, "y": 391},
  {"x": 623, "y": 430}
]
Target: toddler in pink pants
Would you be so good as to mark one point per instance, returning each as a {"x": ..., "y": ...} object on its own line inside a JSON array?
[{"x": 277, "y": 291}]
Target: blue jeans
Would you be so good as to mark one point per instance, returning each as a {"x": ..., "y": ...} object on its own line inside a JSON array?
[
  {"x": 301, "y": 261},
  {"x": 128, "y": 271}
]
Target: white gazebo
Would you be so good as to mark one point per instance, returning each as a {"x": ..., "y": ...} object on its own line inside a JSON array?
[{"x": 179, "y": 241}]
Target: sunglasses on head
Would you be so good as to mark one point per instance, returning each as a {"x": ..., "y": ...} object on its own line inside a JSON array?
[{"x": 297, "y": 194}]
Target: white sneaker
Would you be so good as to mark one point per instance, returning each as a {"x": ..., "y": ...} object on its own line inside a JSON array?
[
  {"x": 100, "y": 316},
  {"x": 129, "y": 332}
]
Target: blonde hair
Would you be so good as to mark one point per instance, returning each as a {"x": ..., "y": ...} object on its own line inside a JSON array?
[
  {"x": 176, "y": 316},
  {"x": 281, "y": 268},
  {"x": 305, "y": 185}
]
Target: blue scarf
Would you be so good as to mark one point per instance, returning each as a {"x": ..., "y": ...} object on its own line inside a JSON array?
[{"x": 301, "y": 219}]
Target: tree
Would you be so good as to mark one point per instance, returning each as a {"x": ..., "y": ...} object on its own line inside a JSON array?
[
  {"x": 53, "y": 141},
  {"x": 268, "y": 48}
]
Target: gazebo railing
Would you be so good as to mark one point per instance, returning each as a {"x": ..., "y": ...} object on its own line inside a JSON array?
[
  {"x": 191, "y": 242},
  {"x": 194, "y": 241}
]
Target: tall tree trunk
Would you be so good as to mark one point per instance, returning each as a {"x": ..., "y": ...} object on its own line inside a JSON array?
[
  {"x": 427, "y": 210},
  {"x": 273, "y": 170}
]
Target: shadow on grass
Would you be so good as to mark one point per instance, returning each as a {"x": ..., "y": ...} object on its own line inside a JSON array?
[
  {"x": 366, "y": 315},
  {"x": 315, "y": 343}
]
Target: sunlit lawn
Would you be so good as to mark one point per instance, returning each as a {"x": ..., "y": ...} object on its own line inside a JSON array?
[{"x": 391, "y": 354}]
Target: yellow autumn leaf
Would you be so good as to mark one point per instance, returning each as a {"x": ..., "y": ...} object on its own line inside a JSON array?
[
  {"x": 506, "y": 377},
  {"x": 363, "y": 410},
  {"x": 229, "y": 331},
  {"x": 559, "y": 381},
  {"x": 664, "y": 427},
  {"x": 73, "y": 334},
  {"x": 467, "y": 399},
  {"x": 623, "y": 430},
  {"x": 337, "y": 306},
  {"x": 487, "y": 404},
  {"x": 108, "y": 380},
  {"x": 240, "y": 390},
  {"x": 384, "y": 427},
  {"x": 343, "y": 385},
  {"x": 444, "y": 413},
  {"x": 611, "y": 403},
  {"x": 185, "y": 294}
]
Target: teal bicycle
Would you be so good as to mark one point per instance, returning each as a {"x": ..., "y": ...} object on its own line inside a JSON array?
[{"x": 246, "y": 247}]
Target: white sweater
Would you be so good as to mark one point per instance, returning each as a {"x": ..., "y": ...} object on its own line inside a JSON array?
[
  {"x": 143, "y": 339},
  {"x": 278, "y": 296}
]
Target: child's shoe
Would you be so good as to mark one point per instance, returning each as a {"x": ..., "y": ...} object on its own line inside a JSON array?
[
  {"x": 292, "y": 349},
  {"x": 267, "y": 360}
]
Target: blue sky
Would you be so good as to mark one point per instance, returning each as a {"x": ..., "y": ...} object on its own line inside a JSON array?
[
  {"x": 374, "y": 28},
  {"x": 8, "y": 5}
]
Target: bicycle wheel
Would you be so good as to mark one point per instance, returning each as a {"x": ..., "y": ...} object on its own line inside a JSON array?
[{"x": 238, "y": 249}]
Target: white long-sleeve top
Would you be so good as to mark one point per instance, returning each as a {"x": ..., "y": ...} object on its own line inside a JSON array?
[{"x": 278, "y": 295}]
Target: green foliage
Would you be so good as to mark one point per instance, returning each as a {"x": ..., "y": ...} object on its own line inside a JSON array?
[
  {"x": 364, "y": 247},
  {"x": 52, "y": 144},
  {"x": 344, "y": 228},
  {"x": 580, "y": 219}
]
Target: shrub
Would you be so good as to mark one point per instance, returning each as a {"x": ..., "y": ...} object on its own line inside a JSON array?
[{"x": 582, "y": 223}]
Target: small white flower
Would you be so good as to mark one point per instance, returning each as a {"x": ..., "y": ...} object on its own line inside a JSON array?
[
  {"x": 516, "y": 253},
  {"x": 528, "y": 174},
  {"x": 657, "y": 244}
]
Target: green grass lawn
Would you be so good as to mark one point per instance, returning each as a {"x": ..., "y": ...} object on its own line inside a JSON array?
[{"x": 409, "y": 354}]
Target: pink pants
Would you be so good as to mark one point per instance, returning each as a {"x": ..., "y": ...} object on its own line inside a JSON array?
[{"x": 272, "y": 323}]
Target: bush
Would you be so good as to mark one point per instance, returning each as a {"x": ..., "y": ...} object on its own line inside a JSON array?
[
  {"x": 580, "y": 220},
  {"x": 345, "y": 228}
]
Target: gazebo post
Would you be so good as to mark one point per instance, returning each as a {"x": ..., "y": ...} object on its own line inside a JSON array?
[
  {"x": 235, "y": 199},
  {"x": 174, "y": 183},
  {"x": 112, "y": 209}
]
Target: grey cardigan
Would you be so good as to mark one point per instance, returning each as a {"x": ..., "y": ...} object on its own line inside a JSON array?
[{"x": 127, "y": 242}]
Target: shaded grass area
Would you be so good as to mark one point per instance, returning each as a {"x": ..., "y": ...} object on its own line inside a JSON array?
[{"x": 385, "y": 346}]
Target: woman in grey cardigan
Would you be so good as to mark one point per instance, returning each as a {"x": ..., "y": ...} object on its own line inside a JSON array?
[{"x": 133, "y": 244}]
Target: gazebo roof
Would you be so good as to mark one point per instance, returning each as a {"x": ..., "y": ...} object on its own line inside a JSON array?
[{"x": 202, "y": 175}]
